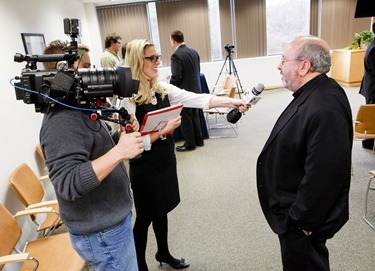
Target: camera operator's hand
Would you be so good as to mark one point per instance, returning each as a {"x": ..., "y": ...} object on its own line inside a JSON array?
[{"x": 130, "y": 145}]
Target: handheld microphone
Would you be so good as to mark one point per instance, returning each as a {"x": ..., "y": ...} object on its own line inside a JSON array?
[{"x": 250, "y": 97}]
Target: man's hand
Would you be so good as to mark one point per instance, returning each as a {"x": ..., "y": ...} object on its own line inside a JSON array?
[{"x": 130, "y": 145}]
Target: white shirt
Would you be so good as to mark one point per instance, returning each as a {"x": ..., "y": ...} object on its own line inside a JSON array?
[
  {"x": 187, "y": 98},
  {"x": 175, "y": 96}
]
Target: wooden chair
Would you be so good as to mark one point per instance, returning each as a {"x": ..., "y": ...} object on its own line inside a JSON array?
[
  {"x": 40, "y": 153},
  {"x": 216, "y": 117},
  {"x": 364, "y": 124},
  {"x": 369, "y": 188},
  {"x": 38, "y": 150},
  {"x": 46, "y": 254},
  {"x": 224, "y": 90},
  {"x": 26, "y": 185}
]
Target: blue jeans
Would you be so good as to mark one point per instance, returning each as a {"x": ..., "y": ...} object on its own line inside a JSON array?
[{"x": 109, "y": 250}]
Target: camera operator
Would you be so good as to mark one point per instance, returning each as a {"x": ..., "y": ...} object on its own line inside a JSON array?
[
  {"x": 85, "y": 164},
  {"x": 57, "y": 47}
]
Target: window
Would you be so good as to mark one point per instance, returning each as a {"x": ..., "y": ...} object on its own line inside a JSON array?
[
  {"x": 215, "y": 36},
  {"x": 154, "y": 29},
  {"x": 285, "y": 20}
]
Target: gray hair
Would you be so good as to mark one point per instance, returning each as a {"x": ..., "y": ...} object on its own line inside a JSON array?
[{"x": 317, "y": 54}]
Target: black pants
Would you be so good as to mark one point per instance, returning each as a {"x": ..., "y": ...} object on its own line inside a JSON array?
[
  {"x": 191, "y": 127},
  {"x": 140, "y": 231},
  {"x": 300, "y": 252}
]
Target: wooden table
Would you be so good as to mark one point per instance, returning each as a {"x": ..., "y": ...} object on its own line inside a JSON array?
[{"x": 347, "y": 66}]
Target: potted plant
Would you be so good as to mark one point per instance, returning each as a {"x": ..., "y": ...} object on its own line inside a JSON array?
[{"x": 361, "y": 40}]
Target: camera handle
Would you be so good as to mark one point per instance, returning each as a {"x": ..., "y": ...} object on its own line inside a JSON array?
[{"x": 125, "y": 121}]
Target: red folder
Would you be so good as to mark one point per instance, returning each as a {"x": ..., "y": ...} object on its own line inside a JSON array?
[{"x": 157, "y": 119}]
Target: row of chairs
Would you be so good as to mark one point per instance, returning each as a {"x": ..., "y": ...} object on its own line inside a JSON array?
[
  {"x": 50, "y": 252},
  {"x": 45, "y": 254}
]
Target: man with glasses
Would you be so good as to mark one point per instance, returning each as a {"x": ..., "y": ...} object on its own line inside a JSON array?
[
  {"x": 185, "y": 68},
  {"x": 110, "y": 57},
  {"x": 304, "y": 169}
]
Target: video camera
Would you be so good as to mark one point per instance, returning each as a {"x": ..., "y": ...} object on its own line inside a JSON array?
[
  {"x": 88, "y": 88},
  {"x": 229, "y": 48}
]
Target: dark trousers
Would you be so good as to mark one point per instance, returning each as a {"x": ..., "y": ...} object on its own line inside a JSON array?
[
  {"x": 300, "y": 252},
  {"x": 190, "y": 127},
  {"x": 140, "y": 230}
]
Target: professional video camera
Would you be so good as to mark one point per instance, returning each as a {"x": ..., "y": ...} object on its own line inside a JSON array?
[
  {"x": 86, "y": 89},
  {"x": 229, "y": 48}
]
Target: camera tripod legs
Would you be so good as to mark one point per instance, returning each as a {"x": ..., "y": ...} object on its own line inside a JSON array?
[{"x": 232, "y": 66}]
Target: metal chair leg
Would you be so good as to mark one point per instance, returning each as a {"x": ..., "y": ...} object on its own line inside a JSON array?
[{"x": 366, "y": 200}]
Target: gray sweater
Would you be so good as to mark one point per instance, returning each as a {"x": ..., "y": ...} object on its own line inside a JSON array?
[{"x": 70, "y": 140}]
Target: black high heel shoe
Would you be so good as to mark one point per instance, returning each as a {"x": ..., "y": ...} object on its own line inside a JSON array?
[{"x": 176, "y": 264}]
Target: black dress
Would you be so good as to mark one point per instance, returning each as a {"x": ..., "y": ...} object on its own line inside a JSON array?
[{"x": 153, "y": 176}]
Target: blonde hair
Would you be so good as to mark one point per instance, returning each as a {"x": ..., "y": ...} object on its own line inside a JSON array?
[{"x": 134, "y": 58}]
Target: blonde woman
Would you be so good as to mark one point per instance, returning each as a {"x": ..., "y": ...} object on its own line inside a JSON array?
[{"x": 154, "y": 175}]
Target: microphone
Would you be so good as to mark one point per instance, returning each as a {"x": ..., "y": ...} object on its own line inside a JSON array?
[{"x": 250, "y": 97}]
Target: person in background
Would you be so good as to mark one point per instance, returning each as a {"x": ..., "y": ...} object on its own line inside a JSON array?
[
  {"x": 57, "y": 47},
  {"x": 85, "y": 163},
  {"x": 304, "y": 169},
  {"x": 367, "y": 88},
  {"x": 185, "y": 68},
  {"x": 54, "y": 47},
  {"x": 110, "y": 57},
  {"x": 123, "y": 52},
  {"x": 154, "y": 175}
]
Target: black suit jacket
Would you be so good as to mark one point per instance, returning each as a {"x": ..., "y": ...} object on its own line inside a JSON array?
[
  {"x": 304, "y": 169},
  {"x": 185, "y": 67},
  {"x": 368, "y": 81}
]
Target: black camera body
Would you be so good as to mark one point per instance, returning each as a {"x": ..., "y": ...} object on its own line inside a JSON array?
[
  {"x": 229, "y": 48},
  {"x": 88, "y": 88}
]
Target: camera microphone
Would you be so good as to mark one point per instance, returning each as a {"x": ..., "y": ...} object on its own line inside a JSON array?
[{"x": 250, "y": 97}]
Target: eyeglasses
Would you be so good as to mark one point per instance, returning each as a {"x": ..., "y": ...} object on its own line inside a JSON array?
[
  {"x": 283, "y": 61},
  {"x": 153, "y": 59}
]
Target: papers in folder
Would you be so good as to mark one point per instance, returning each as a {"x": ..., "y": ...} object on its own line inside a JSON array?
[{"x": 157, "y": 119}]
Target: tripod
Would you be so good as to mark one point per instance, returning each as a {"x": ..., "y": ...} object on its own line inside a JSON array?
[{"x": 231, "y": 67}]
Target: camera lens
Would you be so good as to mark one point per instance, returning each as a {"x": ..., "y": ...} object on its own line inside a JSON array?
[{"x": 97, "y": 82}]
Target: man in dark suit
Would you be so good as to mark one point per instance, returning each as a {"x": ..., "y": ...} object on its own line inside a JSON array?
[
  {"x": 367, "y": 88},
  {"x": 185, "y": 67},
  {"x": 304, "y": 169}
]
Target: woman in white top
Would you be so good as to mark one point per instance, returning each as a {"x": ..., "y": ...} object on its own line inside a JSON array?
[{"x": 154, "y": 175}]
